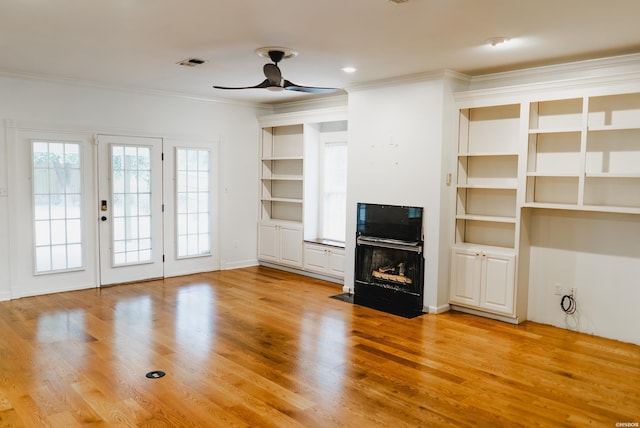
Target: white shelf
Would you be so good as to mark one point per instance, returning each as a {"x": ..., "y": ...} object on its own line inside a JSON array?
[
  {"x": 554, "y": 130},
  {"x": 284, "y": 178},
  {"x": 462, "y": 155},
  {"x": 552, "y": 174},
  {"x": 287, "y": 200},
  {"x": 592, "y": 208},
  {"x": 493, "y": 219},
  {"x": 282, "y": 158},
  {"x": 597, "y": 128},
  {"x": 612, "y": 175},
  {"x": 488, "y": 186}
]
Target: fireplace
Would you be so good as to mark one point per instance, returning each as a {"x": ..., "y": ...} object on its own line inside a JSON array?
[{"x": 389, "y": 265}]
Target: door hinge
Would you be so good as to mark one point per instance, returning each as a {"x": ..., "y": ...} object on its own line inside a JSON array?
[
  {"x": 162, "y": 207},
  {"x": 162, "y": 156},
  {"x": 163, "y": 258}
]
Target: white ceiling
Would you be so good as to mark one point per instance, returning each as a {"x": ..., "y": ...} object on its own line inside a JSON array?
[{"x": 137, "y": 43}]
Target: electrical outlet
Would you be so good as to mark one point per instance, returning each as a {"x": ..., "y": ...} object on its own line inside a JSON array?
[
  {"x": 558, "y": 290},
  {"x": 573, "y": 292}
]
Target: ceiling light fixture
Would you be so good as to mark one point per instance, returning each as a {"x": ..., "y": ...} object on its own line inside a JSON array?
[
  {"x": 495, "y": 41},
  {"x": 398, "y": 1},
  {"x": 286, "y": 52},
  {"x": 349, "y": 69}
]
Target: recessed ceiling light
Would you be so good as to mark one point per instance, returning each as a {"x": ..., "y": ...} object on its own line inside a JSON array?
[
  {"x": 495, "y": 41},
  {"x": 349, "y": 69}
]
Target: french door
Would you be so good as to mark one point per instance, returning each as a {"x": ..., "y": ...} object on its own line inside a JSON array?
[
  {"x": 86, "y": 212},
  {"x": 130, "y": 208}
]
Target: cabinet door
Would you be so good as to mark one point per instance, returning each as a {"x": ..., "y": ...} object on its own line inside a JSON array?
[
  {"x": 465, "y": 277},
  {"x": 268, "y": 242},
  {"x": 498, "y": 282},
  {"x": 315, "y": 258},
  {"x": 291, "y": 245},
  {"x": 336, "y": 263}
]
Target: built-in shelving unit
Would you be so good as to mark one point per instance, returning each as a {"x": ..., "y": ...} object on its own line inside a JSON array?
[
  {"x": 282, "y": 177},
  {"x": 584, "y": 154},
  {"x": 289, "y": 146},
  {"x": 487, "y": 176},
  {"x": 579, "y": 153}
]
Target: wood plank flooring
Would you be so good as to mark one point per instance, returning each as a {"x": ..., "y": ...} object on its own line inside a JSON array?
[{"x": 261, "y": 347}]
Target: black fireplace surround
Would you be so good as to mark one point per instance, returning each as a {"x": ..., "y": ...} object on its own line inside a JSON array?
[{"x": 389, "y": 265}]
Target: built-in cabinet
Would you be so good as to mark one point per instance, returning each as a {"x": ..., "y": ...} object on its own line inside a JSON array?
[
  {"x": 280, "y": 242},
  {"x": 289, "y": 191},
  {"x": 483, "y": 279},
  {"x": 574, "y": 153},
  {"x": 324, "y": 259}
]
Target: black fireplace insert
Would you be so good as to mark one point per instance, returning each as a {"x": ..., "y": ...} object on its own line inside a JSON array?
[{"x": 389, "y": 265}]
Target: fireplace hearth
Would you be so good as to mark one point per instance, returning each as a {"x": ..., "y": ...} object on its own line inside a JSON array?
[{"x": 389, "y": 265}]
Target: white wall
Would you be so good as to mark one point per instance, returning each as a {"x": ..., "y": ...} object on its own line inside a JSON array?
[
  {"x": 597, "y": 253},
  {"x": 395, "y": 157},
  {"x": 53, "y": 105}
]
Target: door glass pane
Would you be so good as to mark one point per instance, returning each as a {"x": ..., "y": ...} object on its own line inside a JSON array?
[
  {"x": 192, "y": 202},
  {"x": 57, "y": 196},
  {"x": 131, "y": 201}
]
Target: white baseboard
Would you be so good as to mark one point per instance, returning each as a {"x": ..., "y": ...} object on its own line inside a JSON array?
[
  {"x": 439, "y": 309},
  {"x": 5, "y": 296},
  {"x": 303, "y": 272},
  {"x": 224, "y": 265},
  {"x": 497, "y": 317}
]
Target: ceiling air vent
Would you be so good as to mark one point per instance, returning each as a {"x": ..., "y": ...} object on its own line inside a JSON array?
[{"x": 192, "y": 62}]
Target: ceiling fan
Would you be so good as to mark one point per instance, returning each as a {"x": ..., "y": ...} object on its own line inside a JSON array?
[{"x": 274, "y": 80}]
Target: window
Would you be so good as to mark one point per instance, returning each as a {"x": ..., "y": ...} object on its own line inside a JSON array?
[
  {"x": 333, "y": 187},
  {"x": 193, "y": 202},
  {"x": 57, "y": 195}
]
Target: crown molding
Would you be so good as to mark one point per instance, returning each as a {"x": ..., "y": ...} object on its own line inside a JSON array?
[
  {"x": 327, "y": 101},
  {"x": 409, "y": 79},
  {"x": 127, "y": 89},
  {"x": 592, "y": 77},
  {"x": 331, "y": 114},
  {"x": 570, "y": 70}
]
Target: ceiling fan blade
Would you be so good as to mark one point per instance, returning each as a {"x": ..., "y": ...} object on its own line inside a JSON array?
[
  {"x": 273, "y": 74},
  {"x": 264, "y": 84},
  {"x": 290, "y": 86}
]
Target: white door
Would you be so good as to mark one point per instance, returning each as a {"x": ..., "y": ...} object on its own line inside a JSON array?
[
  {"x": 268, "y": 242},
  {"x": 498, "y": 282},
  {"x": 465, "y": 277},
  {"x": 130, "y": 208},
  {"x": 291, "y": 244}
]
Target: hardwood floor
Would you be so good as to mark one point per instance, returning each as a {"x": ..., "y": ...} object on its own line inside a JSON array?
[{"x": 261, "y": 347}]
